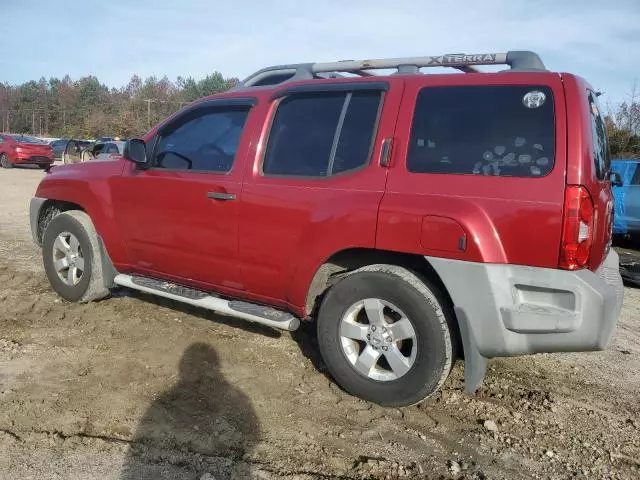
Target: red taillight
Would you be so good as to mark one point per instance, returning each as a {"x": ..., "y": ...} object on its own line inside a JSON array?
[{"x": 577, "y": 230}]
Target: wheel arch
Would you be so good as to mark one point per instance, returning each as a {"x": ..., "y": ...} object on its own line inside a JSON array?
[
  {"x": 52, "y": 208},
  {"x": 345, "y": 261},
  {"x": 48, "y": 210},
  {"x": 95, "y": 283}
]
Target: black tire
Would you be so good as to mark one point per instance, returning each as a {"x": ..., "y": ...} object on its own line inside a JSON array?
[
  {"x": 429, "y": 315},
  {"x": 4, "y": 161},
  {"x": 91, "y": 284}
]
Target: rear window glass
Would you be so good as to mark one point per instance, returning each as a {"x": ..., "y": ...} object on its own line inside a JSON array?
[
  {"x": 483, "y": 130},
  {"x": 27, "y": 139}
]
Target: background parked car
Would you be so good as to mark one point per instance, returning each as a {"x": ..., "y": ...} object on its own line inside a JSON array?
[
  {"x": 103, "y": 151},
  {"x": 626, "y": 220},
  {"x": 60, "y": 147},
  {"x": 24, "y": 150},
  {"x": 73, "y": 151}
]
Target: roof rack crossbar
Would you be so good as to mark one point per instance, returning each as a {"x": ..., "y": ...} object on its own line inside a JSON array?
[{"x": 516, "y": 60}]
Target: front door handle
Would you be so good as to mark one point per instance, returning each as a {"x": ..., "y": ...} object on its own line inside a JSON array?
[{"x": 221, "y": 196}]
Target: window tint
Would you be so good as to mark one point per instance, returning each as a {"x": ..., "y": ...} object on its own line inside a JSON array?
[
  {"x": 207, "y": 142},
  {"x": 357, "y": 135},
  {"x": 483, "y": 130},
  {"x": 318, "y": 135},
  {"x": 601, "y": 157}
]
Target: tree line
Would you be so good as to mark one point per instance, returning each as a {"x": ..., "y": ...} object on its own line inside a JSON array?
[
  {"x": 86, "y": 108},
  {"x": 623, "y": 126}
]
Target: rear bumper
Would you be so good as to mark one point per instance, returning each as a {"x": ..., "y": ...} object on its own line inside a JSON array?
[
  {"x": 24, "y": 159},
  {"x": 516, "y": 310}
]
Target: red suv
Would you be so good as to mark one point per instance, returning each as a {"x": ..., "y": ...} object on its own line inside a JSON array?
[
  {"x": 24, "y": 150},
  {"x": 415, "y": 218}
]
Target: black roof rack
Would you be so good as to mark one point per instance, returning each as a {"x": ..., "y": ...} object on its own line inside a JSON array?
[{"x": 518, "y": 61}]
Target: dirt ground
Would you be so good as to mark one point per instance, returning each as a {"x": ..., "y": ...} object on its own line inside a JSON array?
[{"x": 135, "y": 387}]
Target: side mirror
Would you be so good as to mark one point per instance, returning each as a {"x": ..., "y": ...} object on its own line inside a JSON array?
[
  {"x": 616, "y": 179},
  {"x": 135, "y": 151}
]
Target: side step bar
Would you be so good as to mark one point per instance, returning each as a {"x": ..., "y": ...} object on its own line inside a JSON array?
[{"x": 247, "y": 311}]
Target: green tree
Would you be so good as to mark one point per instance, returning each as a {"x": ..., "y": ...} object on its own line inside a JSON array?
[{"x": 87, "y": 108}]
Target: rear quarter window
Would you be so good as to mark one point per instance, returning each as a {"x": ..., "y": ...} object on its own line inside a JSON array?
[
  {"x": 601, "y": 156},
  {"x": 483, "y": 130}
]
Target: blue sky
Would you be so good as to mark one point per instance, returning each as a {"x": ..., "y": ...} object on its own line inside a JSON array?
[{"x": 115, "y": 39}]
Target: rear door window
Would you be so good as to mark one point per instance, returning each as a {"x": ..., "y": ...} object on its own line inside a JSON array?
[
  {"x": 483, "y": 130},
  {"x": 322, "y": 134}
]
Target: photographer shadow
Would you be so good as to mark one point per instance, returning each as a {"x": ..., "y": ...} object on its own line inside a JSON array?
[{"x": 203, "y": 425}]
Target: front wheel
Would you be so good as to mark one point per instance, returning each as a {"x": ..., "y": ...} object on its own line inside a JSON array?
[
  {"x": 72, "y": 257},
  {"x": 385, "y": 335},
  {"x": 4, "y": 161}
]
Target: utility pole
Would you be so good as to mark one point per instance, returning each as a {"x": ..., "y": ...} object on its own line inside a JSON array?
[
  {"x": 33, "y": 122},
  {"x": 148, "y": 112},
  {"x": 64, "y": 120}
]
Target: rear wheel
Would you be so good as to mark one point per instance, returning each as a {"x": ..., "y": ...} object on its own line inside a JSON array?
[
  {"x": 4, "y": 161},
  {"x": 72, "y": 257},
  {"x": 384, "y": 335}
]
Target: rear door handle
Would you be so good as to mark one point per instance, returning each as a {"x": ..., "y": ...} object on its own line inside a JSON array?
[
  {"x": 385, "y": 152},
  {"x": 221, "y": 196}
]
